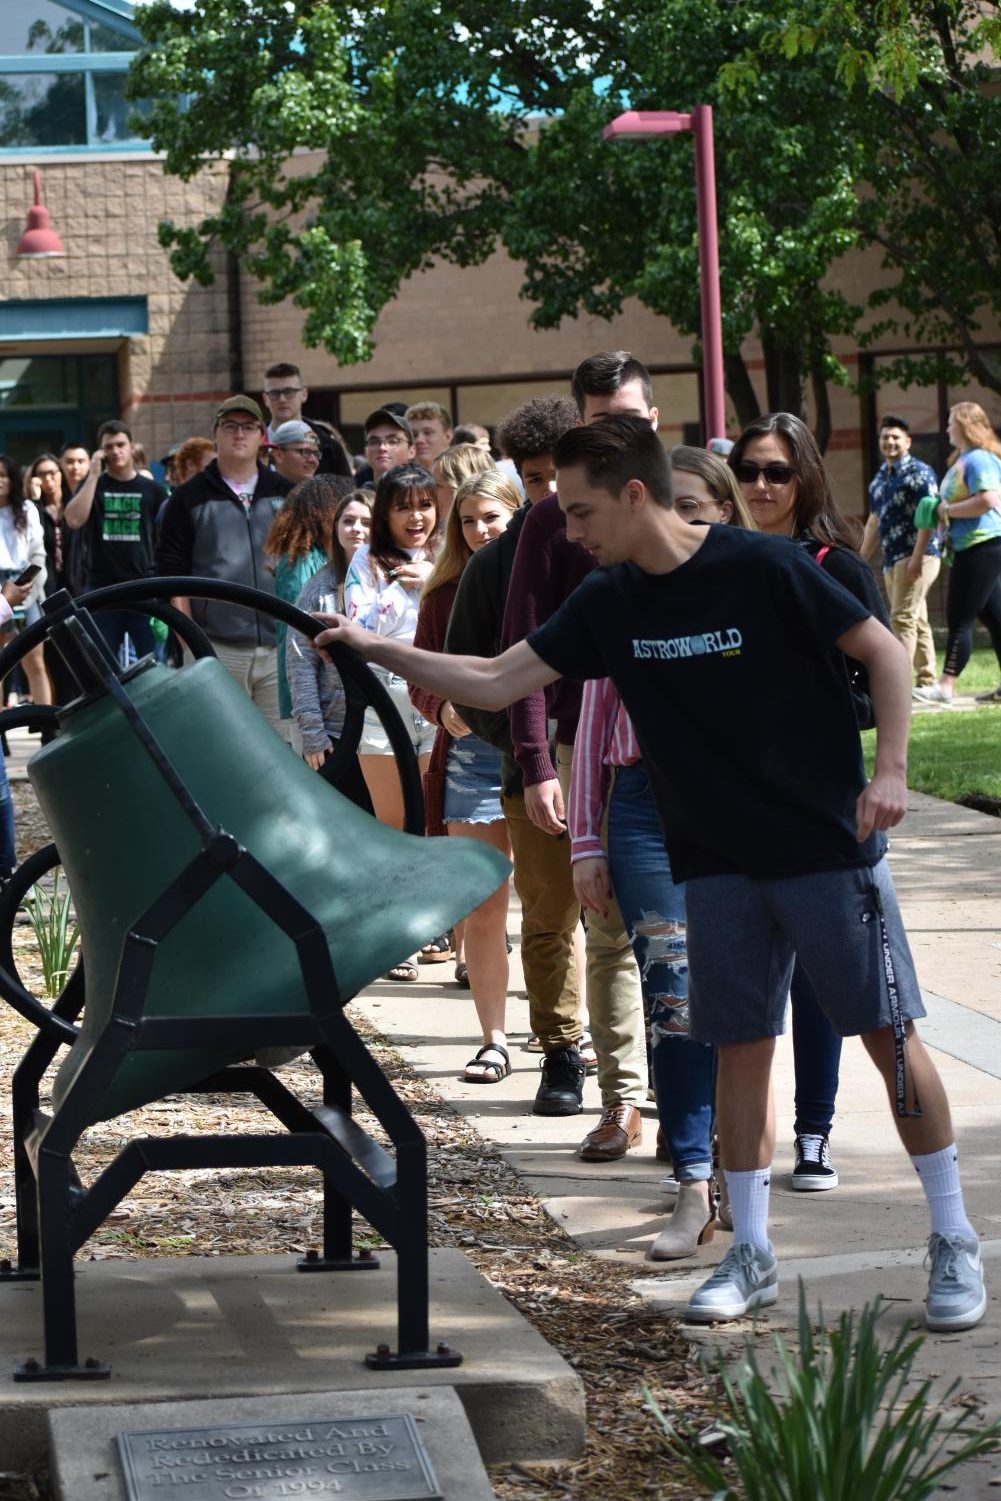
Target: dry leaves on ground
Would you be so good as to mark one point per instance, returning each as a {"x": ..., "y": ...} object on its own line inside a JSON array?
[{"x": 582, "y": 1304}]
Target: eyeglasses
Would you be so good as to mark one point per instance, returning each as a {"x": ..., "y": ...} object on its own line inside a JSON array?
[
  {"x": 747, "y": 472},
  {"x": 282, "y": 391},
  {"x": 689, "y": 508},
  {"x": 304, "y": 453},
  {"x": 239, "y": 427},
  {"x": 391, "y": 442},
  {"x": 46, "y": 473}
]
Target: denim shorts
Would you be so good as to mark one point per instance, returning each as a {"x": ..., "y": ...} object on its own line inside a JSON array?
[
  {"x": 374, "y": 740},
  {"x": 745, "y": 935},
  {"x": 472, "y": 782}
]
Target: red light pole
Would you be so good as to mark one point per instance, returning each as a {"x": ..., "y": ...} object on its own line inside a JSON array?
[{"x": 639, "y": 122}]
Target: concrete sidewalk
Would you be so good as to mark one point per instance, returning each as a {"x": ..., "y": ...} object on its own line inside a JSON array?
[{"x": 866, "y": 1237}]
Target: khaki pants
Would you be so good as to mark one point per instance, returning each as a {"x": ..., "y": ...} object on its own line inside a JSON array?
[
  {"x": 255, "y": 668},
  {"x": 549, "y": 914},
  {"x": 614, "y": 996},
  {"x": 909, "y": 615}
]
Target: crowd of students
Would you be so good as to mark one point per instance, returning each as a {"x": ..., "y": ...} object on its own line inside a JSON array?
[{"x": 604, "y": 776}]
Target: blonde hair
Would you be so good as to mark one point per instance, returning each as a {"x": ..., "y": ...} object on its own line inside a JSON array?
[
  {"x": 719, "y": 479},
  {"x": 456, "y": 464},
  {"x": 976, "y": 428},
  {"x": 456, "y": 552}
]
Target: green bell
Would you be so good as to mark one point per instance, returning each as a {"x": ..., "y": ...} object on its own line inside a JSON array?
[{"x": 122, "y": 837}]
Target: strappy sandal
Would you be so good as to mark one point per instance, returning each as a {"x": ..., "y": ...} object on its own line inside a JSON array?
[
  {"x": 404, "y": 971},
  {"x": 588, "y": 1056},
  {"x": 439, "y": 950},
  {"x": 493, "y": 1072}
]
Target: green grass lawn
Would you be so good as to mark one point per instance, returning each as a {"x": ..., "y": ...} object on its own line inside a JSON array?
[{"x": 954, "y": 754}]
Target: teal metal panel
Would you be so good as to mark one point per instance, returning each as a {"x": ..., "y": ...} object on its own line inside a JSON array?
[{"x": 73, "y": 318}]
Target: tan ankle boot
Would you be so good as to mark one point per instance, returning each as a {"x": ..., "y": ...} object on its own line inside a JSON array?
[{"x": 691, "y": 1225}]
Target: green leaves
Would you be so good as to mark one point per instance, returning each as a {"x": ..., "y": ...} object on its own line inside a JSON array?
[{"x": 839, "y": 1419}]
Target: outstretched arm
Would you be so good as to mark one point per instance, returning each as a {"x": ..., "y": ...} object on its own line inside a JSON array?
[
  {"x": 883, "y": 803},
  {"x": 484, "y": 682}
]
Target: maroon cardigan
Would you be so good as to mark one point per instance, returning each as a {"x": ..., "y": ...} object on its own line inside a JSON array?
[{"x": 432, "y": 624}]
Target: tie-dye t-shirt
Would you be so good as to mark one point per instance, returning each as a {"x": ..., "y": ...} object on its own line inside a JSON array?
[{"x": 975, "y": 470}]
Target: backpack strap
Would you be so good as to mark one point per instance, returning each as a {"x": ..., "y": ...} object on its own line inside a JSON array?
[{"x": 818, "y": 557}]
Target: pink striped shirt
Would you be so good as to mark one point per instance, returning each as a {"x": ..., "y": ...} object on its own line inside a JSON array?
[{"x": 604, "y": 739}]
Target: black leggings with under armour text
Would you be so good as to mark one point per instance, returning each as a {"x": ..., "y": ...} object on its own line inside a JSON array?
[{"x": 974, "y": 593}]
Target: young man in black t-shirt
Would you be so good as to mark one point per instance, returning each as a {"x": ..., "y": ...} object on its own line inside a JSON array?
[
  {"x": 781, "y": 839},
  {"x": 117, "y": 508}
]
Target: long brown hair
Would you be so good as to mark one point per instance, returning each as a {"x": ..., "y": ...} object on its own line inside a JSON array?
[
  {"x": 338, "y": 557},
  {"x": 456, "y": 552},
  {"x": 814, "y": 508},
  {"x": 305, "y": 520}
]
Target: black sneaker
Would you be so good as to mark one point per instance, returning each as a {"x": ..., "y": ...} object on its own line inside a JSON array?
[
  {"x": 814, "y": 1169},
  {"x": 562, "y": 1089},
  {"x": 993, "y": 697}
]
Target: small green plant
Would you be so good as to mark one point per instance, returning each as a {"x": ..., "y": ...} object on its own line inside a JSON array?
[
  {"x": 831, "y": 1423},
  {"x": 50, "y": 915}
]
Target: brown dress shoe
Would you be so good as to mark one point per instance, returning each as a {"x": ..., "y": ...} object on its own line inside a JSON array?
[{"x": 620, "y": 1127}]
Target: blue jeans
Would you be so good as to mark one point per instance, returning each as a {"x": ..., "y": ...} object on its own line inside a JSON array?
[
  {"x": 8, "y": 858},
  {"x": 816, "y": 1051},
  {"x": 114, "y": 625},
  {"x": 653, "y": 911}
]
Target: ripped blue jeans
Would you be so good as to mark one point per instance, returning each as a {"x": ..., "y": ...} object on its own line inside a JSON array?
[{"x": 653, "y": 911}]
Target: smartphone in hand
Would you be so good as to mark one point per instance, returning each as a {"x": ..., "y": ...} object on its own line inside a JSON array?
[{"x": 29, "y": 575}]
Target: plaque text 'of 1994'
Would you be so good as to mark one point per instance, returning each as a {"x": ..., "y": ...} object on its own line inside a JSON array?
[{"x": 352, "y": 1459}]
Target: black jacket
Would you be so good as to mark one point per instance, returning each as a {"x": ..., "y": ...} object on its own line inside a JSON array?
[{"x": 206, "y": 531}]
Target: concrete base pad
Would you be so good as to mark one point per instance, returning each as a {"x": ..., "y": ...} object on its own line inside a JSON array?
[
  {"x": 212, "y": 1327},
  {"x": 85, "y": 1465}
]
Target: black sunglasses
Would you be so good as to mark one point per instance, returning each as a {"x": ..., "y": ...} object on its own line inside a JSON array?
[{"x": 747, "y": 472}]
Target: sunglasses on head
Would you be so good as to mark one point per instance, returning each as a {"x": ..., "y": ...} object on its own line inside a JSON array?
[{"x": 747, "y": 472}]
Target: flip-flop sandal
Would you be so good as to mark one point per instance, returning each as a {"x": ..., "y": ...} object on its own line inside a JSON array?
[
  {"x": 493, "y": 1072},
  {"x": 533, "y": 1045},
  {"x": 406, "y": 971}
]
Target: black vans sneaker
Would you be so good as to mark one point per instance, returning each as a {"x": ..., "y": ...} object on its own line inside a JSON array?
[
  {"x": 561, "y": 1091},
  {"x": 814, "y": 1169}
]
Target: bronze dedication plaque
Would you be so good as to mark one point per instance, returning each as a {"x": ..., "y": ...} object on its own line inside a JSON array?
[{"x": 350, "y": 1459}]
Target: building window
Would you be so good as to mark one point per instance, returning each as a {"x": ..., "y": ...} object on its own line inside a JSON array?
[{"x": 62, "y": 77}]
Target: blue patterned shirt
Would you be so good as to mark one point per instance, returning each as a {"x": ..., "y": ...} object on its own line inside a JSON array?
[{"x": 893, "y": 495}]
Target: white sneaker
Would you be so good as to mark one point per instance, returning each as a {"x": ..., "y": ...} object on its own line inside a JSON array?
[
  {"x": 957, "y": 1297},
  {"x": 746, "y": 1278},
  {"x": 934, "y": 695},
  {"x": 669, "y": 1185}
]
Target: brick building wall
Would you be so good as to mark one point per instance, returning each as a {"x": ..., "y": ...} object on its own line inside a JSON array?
[{"x": 106, "y": 212}]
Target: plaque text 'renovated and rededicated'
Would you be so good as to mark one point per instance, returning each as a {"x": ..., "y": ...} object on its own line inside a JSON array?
[{"x": 352, "y": 1459}]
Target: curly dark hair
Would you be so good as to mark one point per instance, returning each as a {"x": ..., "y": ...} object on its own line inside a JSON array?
[
  {"x": 13, "y": 473},
  {"x": 306, "y": 520},
  {"x": 816, "y": 510},
  {"x": 405, "y": 482},
  {"x": 535, "y": 427}
]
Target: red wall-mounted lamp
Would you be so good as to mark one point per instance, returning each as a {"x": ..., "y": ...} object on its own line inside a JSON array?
[{"x": 39, "y": 240}]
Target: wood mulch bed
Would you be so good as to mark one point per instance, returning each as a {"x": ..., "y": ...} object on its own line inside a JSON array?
[{"x": 582, "y": 1304}]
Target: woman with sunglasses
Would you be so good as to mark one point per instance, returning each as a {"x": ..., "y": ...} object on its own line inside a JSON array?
[
  {"x": 608, "y": 776},
  {"x": 787, "y": 488}
]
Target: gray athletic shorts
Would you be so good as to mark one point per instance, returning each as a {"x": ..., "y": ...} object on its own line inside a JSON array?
[{"x": 745, "y": 935}]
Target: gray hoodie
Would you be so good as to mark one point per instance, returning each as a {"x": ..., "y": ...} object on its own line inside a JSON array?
[{"x": 318, "y": 701}]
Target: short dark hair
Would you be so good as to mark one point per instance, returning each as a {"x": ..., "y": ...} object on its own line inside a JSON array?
[
  {"x": 107, "y": 429},
  {"x": 614, "y": 450},
  {"x": 76, "y": 443},
  {"x": 891, "y": 421},
  {"x": 535, "y": 427},
  {"x": 283, "y": 368},
  {"x": 601, "y": 374}
]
